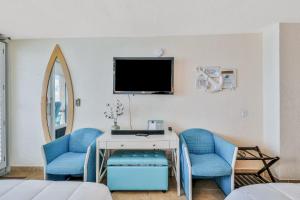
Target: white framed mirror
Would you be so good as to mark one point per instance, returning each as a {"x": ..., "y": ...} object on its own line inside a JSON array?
[{"x": 57, "y": 104}]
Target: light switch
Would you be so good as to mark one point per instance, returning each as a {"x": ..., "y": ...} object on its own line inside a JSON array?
[
  {"x": 244, "y": 114},
  {"x": 78, "y": 102}
]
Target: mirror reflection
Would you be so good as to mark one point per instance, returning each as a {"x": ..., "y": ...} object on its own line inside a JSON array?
[{"x": 57, "y": 102}]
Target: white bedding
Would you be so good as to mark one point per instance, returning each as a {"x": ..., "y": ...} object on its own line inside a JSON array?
[
  {"x": 52, "y": 190},
  {"x": 270, "y": 191}
]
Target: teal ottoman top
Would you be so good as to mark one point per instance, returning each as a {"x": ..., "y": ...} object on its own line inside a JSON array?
[{"x": 135, "y": 158}]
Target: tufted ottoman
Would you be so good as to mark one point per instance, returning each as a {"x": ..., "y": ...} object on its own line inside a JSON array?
[{"x": 137, "y": 170}]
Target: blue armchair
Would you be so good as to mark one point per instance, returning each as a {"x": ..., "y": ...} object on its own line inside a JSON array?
[
  {"x": 204, "y": 155},
  {"x": 72, "y": 155}
]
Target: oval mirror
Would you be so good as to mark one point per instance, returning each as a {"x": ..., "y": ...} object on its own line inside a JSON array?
[{"x": 57, "y": 98}]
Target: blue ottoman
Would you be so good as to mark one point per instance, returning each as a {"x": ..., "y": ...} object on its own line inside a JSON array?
[{"x": 137, "y": 170}]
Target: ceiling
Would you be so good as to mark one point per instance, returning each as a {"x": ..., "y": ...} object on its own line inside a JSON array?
[{"x": 101, "y": 18}]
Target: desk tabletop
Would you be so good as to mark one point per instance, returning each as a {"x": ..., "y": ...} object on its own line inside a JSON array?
[{"x": 107, "y": 136}]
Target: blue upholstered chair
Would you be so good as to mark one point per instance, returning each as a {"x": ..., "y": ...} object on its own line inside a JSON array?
[
  {"x": 204, "y": 155},
  {"x": 72, "y": 155}
]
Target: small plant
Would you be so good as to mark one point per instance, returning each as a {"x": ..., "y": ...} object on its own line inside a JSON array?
[{"x": 114, "y": 111}]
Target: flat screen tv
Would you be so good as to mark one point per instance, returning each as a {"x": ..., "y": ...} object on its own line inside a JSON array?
[{"x": 143, "y": 75}]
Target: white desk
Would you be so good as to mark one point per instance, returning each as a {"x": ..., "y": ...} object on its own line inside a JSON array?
[{"x": 108, "y": 142}]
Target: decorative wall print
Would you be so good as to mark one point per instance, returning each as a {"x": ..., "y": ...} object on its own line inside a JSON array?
[
  {"x": 229, "y": 78},
  {"x": 209, "y": 79}
]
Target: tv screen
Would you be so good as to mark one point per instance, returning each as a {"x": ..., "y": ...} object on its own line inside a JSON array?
[{"x": 143, "y": 75}]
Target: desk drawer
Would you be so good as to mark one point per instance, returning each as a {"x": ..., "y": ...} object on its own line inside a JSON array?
[{"x": 138, "y": 145}]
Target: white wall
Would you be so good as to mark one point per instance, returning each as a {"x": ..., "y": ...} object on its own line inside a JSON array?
[
  {"x": 90, "y": 64},
  {"x": 271, "y": 92},
  {"x": 281, "y": 46},
  {"x": 289, "y": 101},
  {"x": 271, "y": 89}
]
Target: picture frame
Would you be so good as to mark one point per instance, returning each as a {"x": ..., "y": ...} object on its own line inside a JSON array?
[
  {"x": 229, "y": 78},
  {"x": 155, "y": 125},
  {"x": 213, "y": 71}
]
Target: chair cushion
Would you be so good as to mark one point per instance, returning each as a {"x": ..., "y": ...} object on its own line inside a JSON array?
[
  {"x": 81, "y": 139},
  {"x": 199, "y": 141},
  {"x": 209, "y": 165},
  {"x": 67, "y": 164},
  {"x": 136, "y": 158}
]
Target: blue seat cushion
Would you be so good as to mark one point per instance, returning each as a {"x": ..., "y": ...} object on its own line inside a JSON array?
[
  {"x": 67, "y": 164},
  {"x": 209, "y": 165},
  {"x": 135, "y": 158}
]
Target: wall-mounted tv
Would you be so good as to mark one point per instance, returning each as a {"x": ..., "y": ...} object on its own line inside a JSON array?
[{"x": 143, "y": 75}]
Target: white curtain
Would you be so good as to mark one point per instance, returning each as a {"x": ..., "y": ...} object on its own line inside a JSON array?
[{"x": 2, "y": 108}]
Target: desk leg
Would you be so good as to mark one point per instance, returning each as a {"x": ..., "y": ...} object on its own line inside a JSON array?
[
  {"x": 100, "y": 167},
  {"x": 176, "y": 167},
  {"x": 97, "y": 165},
  {"x": 103, "y": 154},
  {"x": 173, "y": 170},
  {"x": 178, "y": 171}
]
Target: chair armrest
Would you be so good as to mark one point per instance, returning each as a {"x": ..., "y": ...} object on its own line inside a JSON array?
[
  {"x": 186, "y": 169},
  {"x": 55, "y": 148},
  {"x": 90, "y": 164},
  {"x": 228, "y": 151},
  {"x": 225, "y": 149}
]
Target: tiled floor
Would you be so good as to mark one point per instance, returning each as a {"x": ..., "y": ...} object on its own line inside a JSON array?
[{"x": 203, "y": 189}]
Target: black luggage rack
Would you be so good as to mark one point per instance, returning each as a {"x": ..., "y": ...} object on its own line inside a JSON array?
[{"x": 248, "y": 178}]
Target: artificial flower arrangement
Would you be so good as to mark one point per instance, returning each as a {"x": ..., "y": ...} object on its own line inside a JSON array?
[{"x": 114, "y": 111}]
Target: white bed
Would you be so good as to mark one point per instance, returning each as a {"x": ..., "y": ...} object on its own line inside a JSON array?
[
  {"x": 52, "y": 190},
  {"x": 271, "y": 191}
]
